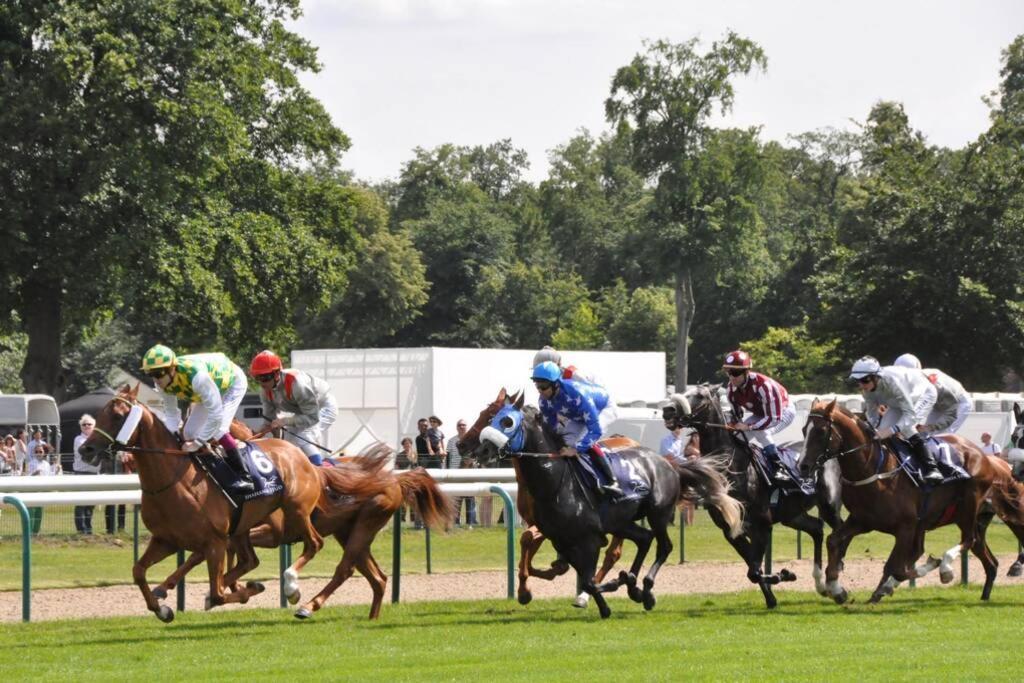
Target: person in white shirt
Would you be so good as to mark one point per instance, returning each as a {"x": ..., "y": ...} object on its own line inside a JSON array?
[
  {"x": 988, "y": 447},
  {"x": 908, "y": 397},
  {"x": 83, "y": 513}
]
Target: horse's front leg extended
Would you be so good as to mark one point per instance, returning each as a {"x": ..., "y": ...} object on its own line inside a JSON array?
[
  {"x": 156, "y": 550},
  {"x": 837, "y": 543},
  {"x": 177, "y": 575}
]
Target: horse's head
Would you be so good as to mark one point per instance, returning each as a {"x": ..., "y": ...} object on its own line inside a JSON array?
[
  {"x": 116, "y": 426},
  {"x": 506, "y": 433},
  {"x": 1017, "y": 438},
  {"x": 831, "y": 432},
  {"x": 471, "y": 439}
]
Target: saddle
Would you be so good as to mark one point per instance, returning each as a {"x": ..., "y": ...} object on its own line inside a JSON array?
[
  {"x": 787, "y": 461},
  {"x": 633, "y": 485},
  {"x": 265, "y": 477},
  {"x": 946, "y": 457}
]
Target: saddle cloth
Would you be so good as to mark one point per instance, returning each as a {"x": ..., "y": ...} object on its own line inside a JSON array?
[
  {"x": 265, "y": 477},
  {"x": 787, "y": 460},
  {"x": 631, "y": 481},
  {"x": 950, "y": 465}
]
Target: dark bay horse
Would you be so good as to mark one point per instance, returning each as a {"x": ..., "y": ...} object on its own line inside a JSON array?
[
  {"x": 577, "y": 521},
  {"x": 184, "y": 510},
  {"x": 884, "y": 498},
  {"x": 531, "y": 539},
  {"x": 701, "y": 409}
]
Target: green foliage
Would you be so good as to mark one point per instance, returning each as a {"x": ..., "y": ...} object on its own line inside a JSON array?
[
  {"x": 641, "y": 320},
  {"x": 13, "y": 346},
  {"x": 93, "y": 359},
  {"x": 802, "y": 364},
  {"x": 582, "y": 330}
]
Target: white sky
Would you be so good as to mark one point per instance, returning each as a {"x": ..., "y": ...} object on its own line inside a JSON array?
[{"x": 398, "y": 74}]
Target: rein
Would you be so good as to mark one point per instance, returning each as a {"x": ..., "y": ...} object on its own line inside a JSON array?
[{"x": 826, "y": 455}]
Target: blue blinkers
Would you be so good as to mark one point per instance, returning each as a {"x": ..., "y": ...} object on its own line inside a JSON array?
[{"x": 515, "y": 433}]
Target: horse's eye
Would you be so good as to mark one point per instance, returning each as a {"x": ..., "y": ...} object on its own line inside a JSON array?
[{"x": 506, "y": 422}]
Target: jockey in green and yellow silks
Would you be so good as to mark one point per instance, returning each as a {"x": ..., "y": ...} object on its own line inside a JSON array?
[{"x": 215, "y": 386}]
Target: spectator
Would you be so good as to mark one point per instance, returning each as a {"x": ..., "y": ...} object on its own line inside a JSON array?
[
  {"x": 454, "y": 463},
  {"x": 427, "y": 456},
  {"x": 7, "y": 454},
  {"x": 435, "y": 439},
  {"x": 407, "y": 457},
  {"x": 37, "y": 440},
  {"x": 989, "y": 448},
  {"x": 20, "y": 453},
  {"x": 38, "y": 466},
  {"x": 83, "y": 513},
  {"x": 678, "y": 446}
]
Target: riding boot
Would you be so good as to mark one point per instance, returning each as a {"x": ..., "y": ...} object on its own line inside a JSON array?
[
  {"x": 771, "y": 453},
  {"x": 924, "y": 457},
  {"x": 234, "y": 459},
  {"x": 602, "y": 463}
]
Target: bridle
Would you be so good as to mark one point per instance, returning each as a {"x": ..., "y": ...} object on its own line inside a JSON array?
[{"x": 827, "y": 453}]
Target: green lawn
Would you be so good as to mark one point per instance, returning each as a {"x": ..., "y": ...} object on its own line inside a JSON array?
[
  {"x": 100, "y": 560},
  {"x": 925, "y": 634}
]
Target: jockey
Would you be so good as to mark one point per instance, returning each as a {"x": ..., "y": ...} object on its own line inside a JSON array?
[
  {"x": 570, "y": 372},
  {"x": 952, "y": 403},
  {"x": 908, "y": 397},
  {"x": 580, "y": 411},
  {"x": 215, "y": 385},
  {"x": 308, "y": 399},
  {"x": 765, "y": 399}
]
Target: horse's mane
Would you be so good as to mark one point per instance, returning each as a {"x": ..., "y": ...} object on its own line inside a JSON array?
[{"x": 533, "y": 413}]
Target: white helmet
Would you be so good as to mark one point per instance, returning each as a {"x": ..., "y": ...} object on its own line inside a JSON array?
[
  {"x": 547, "y": 354},
  {"x": 868, "y": 365},
  {"x": 908, "y": 360}
]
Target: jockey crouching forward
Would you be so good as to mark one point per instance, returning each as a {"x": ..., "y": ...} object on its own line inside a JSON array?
[
  {"x": 217, "y": 387},
  {"x": 581, "y": 412},
  {"x": 308, "y": 399},
  {"x": 952, "y": 402},
  {"x": 767, "y": 403},
  {"x": 909, "y": 398}
]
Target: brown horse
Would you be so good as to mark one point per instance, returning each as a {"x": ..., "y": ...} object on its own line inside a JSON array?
[
  {"x": 184, "y": 510},
  {"x": 369, "y": 495},
  {"x": 884, "y": 498},
  {"x": 532, "y": 538}
]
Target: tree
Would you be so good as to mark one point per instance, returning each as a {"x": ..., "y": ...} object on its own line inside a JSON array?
[
  {"x": 123, "y": 124},
  {"x": 582, "y": 330},
  {"x": 702, "y": 204},
  {"x": 641, "y": 320},
  {"x": 801, "y": 363}
]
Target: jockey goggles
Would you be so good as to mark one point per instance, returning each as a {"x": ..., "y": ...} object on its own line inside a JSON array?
[
  {"x": 266, "y": 377},
  {"x": 735, "y": 372},
  {"x": 157, "y": 373}
]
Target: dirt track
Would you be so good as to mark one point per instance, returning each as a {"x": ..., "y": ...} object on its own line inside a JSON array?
[{"x": 696, "y": 577}]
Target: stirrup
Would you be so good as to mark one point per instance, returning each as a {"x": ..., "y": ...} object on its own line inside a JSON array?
[
  {"x": 934, "y": 476},
  {"x": 611, "y": 488}
]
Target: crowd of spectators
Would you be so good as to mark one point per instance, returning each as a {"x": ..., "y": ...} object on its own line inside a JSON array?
[{"x": 431, "y": 449}]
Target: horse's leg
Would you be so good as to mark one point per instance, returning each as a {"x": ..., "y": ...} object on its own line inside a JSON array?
[
  {"x": 312, "y": 542},
  {"x": 642, "y": 538},
  {"x": 967, "y": 521},
  {"x": 177, "y": 575},
  {"x": 899, "y": 565},
  {"x": 369, "y": 568},
  {"x": 583, "y": 558},
  {"x": 248, "y": 560},
  {"x": 215, "y": 558},
  {"x": 837, "y": 543},
  {"x": 612, "y": 554},
  {"x": 156, "y": 550},
  {"x": 745, "y": 549},
  {"x": 659, "y": 525},
  {"x": 988, "y": 560},
  {"x": 358, "y": 544},
  {"x": 814, "y": 528}
]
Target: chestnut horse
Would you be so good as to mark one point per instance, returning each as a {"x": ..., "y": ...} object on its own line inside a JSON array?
[
  {"x": 884, "y": 498},
  {"x": 531, "y": 539},
  {"x": 184, "y": 510}
]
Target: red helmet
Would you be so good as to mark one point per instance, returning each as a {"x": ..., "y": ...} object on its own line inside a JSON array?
[
  {"x": 737, "y": 360},
  {"x": 264, "y": 363}
]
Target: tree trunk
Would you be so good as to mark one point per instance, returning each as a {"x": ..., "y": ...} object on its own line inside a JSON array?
[
  {"x": 41, "y": 314},
  {"x": 685, "y": 307}
]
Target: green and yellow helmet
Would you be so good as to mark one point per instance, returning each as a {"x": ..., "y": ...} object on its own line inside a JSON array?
[{"x": 159, "y": 356}]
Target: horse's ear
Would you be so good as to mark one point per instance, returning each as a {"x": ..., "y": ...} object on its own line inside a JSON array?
[
  {"x": 125, "y": 389},
  {"x": 1016, "y": 411},
  {"x": 134, "y": 393},
  {"x": 831, "y": 407},
  {"x": 501, "y": 396},
  {"x": 520, "y": 400}
]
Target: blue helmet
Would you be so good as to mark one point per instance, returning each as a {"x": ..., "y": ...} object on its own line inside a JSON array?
[{"x": 547, "y": 372}]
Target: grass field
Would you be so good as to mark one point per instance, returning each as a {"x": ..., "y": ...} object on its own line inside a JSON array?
[
  {"x": 100, "y": 560},
  {"x": 923, "y": 634}
]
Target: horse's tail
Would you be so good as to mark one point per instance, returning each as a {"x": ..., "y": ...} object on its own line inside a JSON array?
[
  {"x": 360, "y": 478},
  {"x": 1007, "y": 497},
  {"x": 703, "y": 478},
  {"x": 424, "y": 496}
]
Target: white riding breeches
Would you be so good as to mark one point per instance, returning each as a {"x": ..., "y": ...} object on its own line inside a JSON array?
[
  {"x": 231, "y": 399},
  {"x": 763, "y": 437}
]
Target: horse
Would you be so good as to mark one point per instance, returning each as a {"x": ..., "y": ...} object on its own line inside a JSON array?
[
  {"x": 1015, "y": 456},
  {"x": 531, "y": 539},
  {"x": 568, "y": 514},
  {"x": 701, "y": 409},
  {"x": 880, "y": 496},
  {"x": 184, "y": 510}
]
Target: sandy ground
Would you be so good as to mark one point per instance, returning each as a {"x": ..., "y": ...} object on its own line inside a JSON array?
[{"x": 694, "y": 577}]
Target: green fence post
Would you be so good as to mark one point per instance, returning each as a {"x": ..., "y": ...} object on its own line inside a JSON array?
[
  {"x": 26, "y": 556},
  {"x": 768, "y": 552},
  {"x": 799, "y": 546},
  {"x": 510, "y": 525},
  {"x": 135, "y": 534},
  {"x": 963, "y": 568},
  {"x": 682, "y": 539},
  {"x": 181, "y": 584},
  {"x": 396, "y": 557},
  {"x": 426, "y": 538}
]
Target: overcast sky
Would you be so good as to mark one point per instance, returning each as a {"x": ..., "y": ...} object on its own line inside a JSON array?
[{"x": 398, "y": 74}]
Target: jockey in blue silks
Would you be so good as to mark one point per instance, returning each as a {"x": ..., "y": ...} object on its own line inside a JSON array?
[{"x": 579, "y": 411}]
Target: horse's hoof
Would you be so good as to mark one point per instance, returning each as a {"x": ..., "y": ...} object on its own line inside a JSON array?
[
  {"x": 626, "y": 579},
  {"x": 525, "y": 597},
  {"x": 294, "y": 597},
  {"x": 606, "y": 611},
  {"x": 946, "y": 576},
  {"x": 254, "y": 587},
  {"x": 165, "y": 614},
  {"x": 635, "y": 594},
  {"x": 303, "y": 613},
  {"x": 581, "y": 601},
  {"x": 841, "y": 597},
  {"x": 1015, "y": 569},
  {"x": 786, "y": 575},
  {"x": 771, "y": 602},
  {"x": 649, "y": 601},
  {"x": 159, "y": 593},
  {"x": 208, "y": 603}
]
